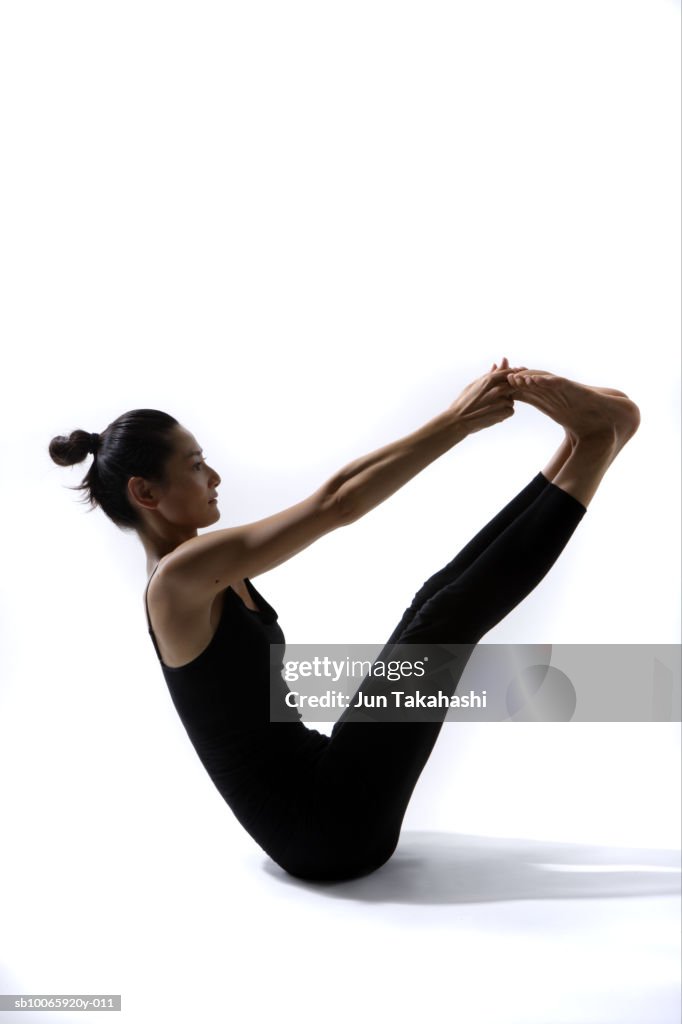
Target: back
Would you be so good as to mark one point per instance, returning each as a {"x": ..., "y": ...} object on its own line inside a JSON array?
[{"x": 223, "y": 700}]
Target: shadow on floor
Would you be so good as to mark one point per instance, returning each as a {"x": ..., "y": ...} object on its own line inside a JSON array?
[{"x": 442, "y": 868}]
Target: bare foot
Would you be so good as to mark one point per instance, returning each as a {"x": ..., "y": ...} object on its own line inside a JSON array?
[
  {"x": 521, "y": 371},
  {"x": 583, "y": 411},
  {"x": 545, "y": 373}
]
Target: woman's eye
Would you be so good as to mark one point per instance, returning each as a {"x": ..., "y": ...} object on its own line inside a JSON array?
[{"x": 198, "y": 465}]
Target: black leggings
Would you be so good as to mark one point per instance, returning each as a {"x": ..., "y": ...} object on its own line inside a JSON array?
[{"x": 362, "y": 781}]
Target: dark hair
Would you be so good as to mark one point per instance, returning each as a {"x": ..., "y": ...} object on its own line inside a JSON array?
[{"x": 138, "y": 443}]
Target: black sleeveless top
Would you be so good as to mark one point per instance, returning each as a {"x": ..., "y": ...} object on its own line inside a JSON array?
[{"x": 223, "y": 699}]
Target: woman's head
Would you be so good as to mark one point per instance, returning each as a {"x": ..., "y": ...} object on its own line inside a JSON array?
[{"x": 142, "y": 467}]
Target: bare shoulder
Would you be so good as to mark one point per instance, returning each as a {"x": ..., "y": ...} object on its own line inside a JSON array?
[
  {"x": 182, "y": 625},
  {"x": 168, "y": 601}
]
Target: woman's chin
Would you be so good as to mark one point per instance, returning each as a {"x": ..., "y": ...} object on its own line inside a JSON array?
[{"x": 211, "y": 517}]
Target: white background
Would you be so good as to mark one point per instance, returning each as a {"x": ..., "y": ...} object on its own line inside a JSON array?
[{"x": 302, "y": 228}]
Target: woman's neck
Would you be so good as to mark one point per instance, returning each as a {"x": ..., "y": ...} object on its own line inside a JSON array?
[{"x": 157, "y": 546}]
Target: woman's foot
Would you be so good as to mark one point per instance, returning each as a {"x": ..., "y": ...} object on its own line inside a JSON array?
[
  {"x": 583, "y": 411},
  {"x": 599, "y": 422},
  {"x": 523, "y": 371}
]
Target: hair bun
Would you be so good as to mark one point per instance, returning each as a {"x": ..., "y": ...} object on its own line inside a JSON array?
[
  {"x": 67, "y": 451},
  {"x": 138, "y": 443}
]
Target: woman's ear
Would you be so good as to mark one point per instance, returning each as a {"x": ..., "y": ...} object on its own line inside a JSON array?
[{"x": 142, "y": 494}]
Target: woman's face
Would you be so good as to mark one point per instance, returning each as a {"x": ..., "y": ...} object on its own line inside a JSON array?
[{"x": 188, "y": 496}]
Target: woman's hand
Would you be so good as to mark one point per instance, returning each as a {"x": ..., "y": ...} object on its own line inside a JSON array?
[{"x": 488, "y": 399}]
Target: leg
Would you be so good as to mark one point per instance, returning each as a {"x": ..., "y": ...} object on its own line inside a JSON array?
[
  {"x": 471, "y": 551},
  {"x": 383, "y": 763},
  {"x": 560, "y": 457},
  {"x": 365, "y": 776},
  {"x": 486, "y": 536}
]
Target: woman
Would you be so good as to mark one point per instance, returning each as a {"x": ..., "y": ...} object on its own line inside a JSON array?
[{"x": 330, "y": 808}]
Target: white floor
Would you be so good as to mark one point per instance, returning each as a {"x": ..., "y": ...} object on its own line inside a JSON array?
[
  {"x": 152, "y": 891},
  {"x": 455, "y": 927}
]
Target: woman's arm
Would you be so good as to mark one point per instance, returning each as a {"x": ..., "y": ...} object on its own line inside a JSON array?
[
  {"x": 195, "y": 571},
  {"x": 367, "y": 481}
]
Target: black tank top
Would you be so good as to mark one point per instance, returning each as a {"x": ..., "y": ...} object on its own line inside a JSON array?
[{"x": 223, "y": 699}]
